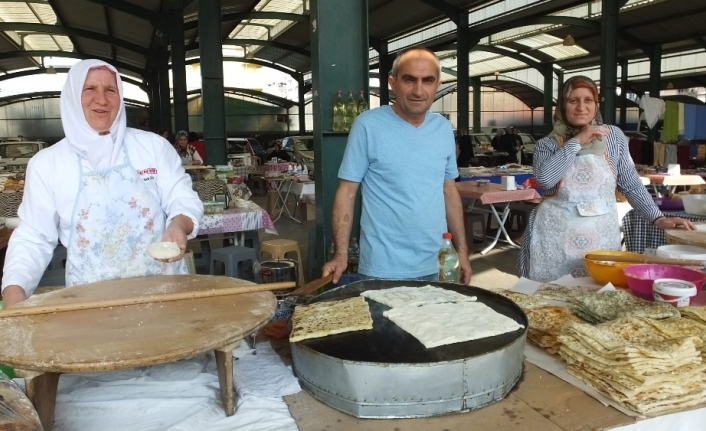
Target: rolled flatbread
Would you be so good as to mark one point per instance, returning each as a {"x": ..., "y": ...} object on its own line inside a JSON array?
[{"x": 163, "y": 250}]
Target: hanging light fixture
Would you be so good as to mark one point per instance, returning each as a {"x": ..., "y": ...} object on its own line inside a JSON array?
[
  {"x": 497, "y": 74},
  {"x": 670, "y": 86},
  {"x": 51, "y": 70},
  {"x": 569, "y": 40}
]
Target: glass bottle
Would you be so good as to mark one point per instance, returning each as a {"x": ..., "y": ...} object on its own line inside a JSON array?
[
  {"x": 351, "y": 112},
  {"x": 353, "y": 255},
  {"x": 448, "y": 261},
  {"x": 361, "y": 103},
  {"x": 339, "y": 113}
]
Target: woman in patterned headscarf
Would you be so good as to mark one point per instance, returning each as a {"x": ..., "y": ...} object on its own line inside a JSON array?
[
  {"x": 187, "y": 152},
  {"x": 579, "y": 165}
]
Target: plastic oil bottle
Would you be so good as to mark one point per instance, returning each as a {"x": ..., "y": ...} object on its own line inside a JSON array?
[
  {"x": 351, "y": 112},
  {"x": 339, "y": 113},
  {"x": 361, "y": 103},
  {"x": 448, "y": 261}
]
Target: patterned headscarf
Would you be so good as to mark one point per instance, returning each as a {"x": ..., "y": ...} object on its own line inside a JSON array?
[
  {"x": 563, "y": 130},
  {"x": 101, "y": 151}
]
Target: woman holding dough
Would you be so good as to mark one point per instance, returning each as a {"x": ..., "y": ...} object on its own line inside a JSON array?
[{"x": 106, "y": 191}]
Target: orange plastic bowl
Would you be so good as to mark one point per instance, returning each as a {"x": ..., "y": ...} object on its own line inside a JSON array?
[{"x": 604, "y": 271}]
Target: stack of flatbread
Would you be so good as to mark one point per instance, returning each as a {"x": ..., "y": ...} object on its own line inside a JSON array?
[
  {"x": 438, "y": 317},
  {"x": 545, "y": 325},
  {"x": 327, "y": 318},
  {"x": 694, "y": 313},
  {"x": 524, "y": 301},
  {"x": 557, "y": 292},
  {"x": 635, "y": 364},
  {"x": 611, "y": 305}
]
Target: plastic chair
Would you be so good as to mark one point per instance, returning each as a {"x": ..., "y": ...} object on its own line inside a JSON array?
[
  {"x": 233, "y": 258},
  {"x": 252, "y": 239},
  {"x": 278, "y": 248}
]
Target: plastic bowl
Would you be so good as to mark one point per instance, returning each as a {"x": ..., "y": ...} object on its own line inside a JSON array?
[
  {"x": 679, "y": 251},
  {"x": 667, "y": 204},
  {"x": 604, "y": 272},
  {"x": 694, "y": 204},
  {"x": 641, "y": 277}
]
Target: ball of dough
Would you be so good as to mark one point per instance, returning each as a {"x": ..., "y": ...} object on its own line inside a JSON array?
[{"x": 163, "y": 250}]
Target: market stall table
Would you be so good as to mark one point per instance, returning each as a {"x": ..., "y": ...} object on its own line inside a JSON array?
[
  {"x": 130, "y": 336},
  {"x": 641, "y": 234},
  {"x": 491, "y": 194},
  {"x": 197, "y": 170},
  {"x": 674, "y": 181},
  {"x": 281, "y": 187}
]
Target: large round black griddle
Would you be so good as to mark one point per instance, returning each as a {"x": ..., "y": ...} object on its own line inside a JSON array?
[{"x": 388, "y": 343}]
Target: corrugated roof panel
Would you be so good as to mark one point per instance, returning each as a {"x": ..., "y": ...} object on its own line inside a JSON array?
[
  {"x": 17, "y": 12},
  {"x": 496, "y": 64},
  {"x": 538, "y": 40},
  {"x": 44, "y": 12},
  {"x": 561, "y": 52},
  {"x": 40, "y": 42},
  {"x": 64, "y": 43}
]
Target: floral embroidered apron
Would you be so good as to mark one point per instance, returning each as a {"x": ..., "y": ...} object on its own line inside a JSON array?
[
  {"x": 580, "y": 217},
  {"x": 115, "y": 219}
]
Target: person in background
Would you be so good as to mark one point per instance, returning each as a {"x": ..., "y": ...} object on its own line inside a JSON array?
[
  {"x": 579, "y": 166},
  {"x": 164, "y": 133},
  {"x": 508, "y": 144},
  {"x": 464, "y": 149},
  {"x": 403, "y": 159},
  {"x": 120, "y": 190},
  {"x": 186, "y": 151},
  {"x": 495, "y": 142}
]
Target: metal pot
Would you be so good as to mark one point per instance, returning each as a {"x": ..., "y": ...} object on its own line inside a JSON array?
[{"x": 274, "y": 271}]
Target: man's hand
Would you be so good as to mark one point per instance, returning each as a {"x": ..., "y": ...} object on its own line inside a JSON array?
[
  {"x": 335, "y": 266},
  {"x": 12, "y": 295}
]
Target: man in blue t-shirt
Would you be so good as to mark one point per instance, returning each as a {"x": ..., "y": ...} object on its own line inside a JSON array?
[{"x": 404, "y": 159}]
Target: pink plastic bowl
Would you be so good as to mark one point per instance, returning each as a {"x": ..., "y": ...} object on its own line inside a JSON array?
[{"x": 641, "y": 277}]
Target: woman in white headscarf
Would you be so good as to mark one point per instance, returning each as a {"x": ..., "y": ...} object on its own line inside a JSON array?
[
  {"x": 579, "y": 166},
  {"x": 105, "y": 191}
]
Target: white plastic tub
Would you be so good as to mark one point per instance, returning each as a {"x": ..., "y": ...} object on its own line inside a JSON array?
[{"x": 694, "y": 204}]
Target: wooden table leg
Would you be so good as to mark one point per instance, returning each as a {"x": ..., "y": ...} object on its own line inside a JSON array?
[
  {"x": 224, "y": 363},
  {"x": 41, "y": 390}
]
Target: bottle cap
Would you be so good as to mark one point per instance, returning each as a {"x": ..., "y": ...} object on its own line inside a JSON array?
[{"x": 447, "y": 235}]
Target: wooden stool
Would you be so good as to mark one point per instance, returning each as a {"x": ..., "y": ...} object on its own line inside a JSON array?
[
  {"x": 233, "y": 258},
  {"x": 470, "y": 219},
  {"x": 278, "y": 248}
]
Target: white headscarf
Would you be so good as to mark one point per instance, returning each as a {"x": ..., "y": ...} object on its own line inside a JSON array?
[{"x": 100, "y": 151}]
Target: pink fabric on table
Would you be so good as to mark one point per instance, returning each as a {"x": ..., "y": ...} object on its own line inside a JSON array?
[
  {"x": 237, "y": 220},
  {"x": 493, "y": 194}
]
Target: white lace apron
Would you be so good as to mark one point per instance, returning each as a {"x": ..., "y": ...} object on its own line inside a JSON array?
[
  {"x": 115, "y": 219},
  {"x": 580, "y": 217}
]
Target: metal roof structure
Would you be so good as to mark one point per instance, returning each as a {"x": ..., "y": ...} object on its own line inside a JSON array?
[{"x": 510, "y": 34}]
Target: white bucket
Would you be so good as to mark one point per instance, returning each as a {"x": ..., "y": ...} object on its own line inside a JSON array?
[{"x": 676, "y": 292}]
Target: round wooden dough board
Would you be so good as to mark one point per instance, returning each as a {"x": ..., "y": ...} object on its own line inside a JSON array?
[
  {"x": 129, "y": 336},
  {"x": 687, "y": 237}
]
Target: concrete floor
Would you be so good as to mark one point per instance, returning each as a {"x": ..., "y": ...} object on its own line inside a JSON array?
[{"x": 495, "y": 270}]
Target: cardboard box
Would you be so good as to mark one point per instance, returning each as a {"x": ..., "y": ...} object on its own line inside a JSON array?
[{"x": 307, "y": 211}]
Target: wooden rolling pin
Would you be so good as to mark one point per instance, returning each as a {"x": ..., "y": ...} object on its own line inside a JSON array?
[
  {"x": 20, "y": 310},
  {"x": 645, "y": 259}
]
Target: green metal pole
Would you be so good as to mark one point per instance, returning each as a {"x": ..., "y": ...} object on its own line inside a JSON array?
[
  {"x": 548, "y": 99},
  {"x": 214, "y": 126},
  {"x": 609, "y": 59},
  {"x": 164, "y": 91},
  {"x": 462, "y": 49},
  {"x": 655, "y": 82},
  {"x": 181, "y": 113},
  {"x": 477, "y": 108},
  {"x": 385, "y": 66}
]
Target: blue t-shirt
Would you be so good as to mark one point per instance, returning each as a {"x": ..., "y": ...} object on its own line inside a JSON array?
[{"x": 401, "y": 169}]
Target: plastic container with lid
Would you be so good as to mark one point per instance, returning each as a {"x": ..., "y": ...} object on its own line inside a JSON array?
[{"x": 676, "y": 292}]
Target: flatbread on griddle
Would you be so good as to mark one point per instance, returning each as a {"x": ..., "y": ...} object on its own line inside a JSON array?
[
  {"x": 450, "y": 322},
  {"x": 327, "y": 318},
  {"x": 408, "y": 295},
  {"x": 546, "y": 323}
]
